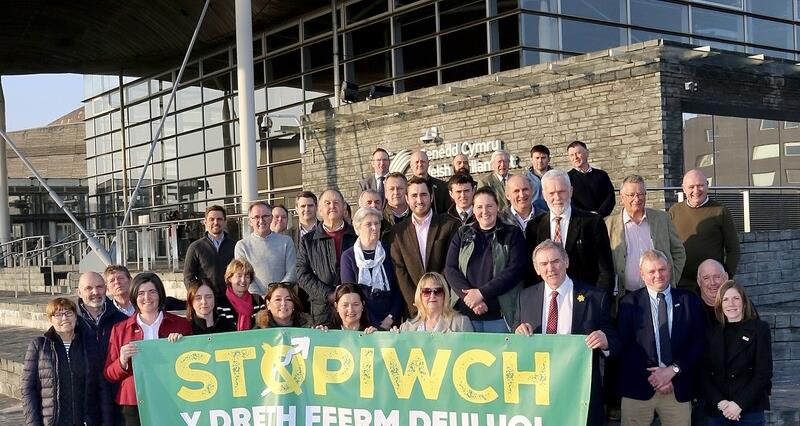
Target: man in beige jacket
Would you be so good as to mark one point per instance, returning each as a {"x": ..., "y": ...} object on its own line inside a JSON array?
[{"x": 637, "y": 229}]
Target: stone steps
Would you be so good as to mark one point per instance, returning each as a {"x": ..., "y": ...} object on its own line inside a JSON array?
[{"x": 36, "y": 280}]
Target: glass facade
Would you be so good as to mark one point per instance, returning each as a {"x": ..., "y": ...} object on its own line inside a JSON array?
[
  {"x": 746, "y": 152},
  {"x": 402, "y": 43}
]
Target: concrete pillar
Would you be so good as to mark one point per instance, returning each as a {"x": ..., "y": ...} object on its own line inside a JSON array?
[
  {"x": 247, "y": 107},
  {"x": 5, "y": 218}
]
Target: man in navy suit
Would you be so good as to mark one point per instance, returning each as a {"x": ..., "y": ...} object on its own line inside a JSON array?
[
  {"x": 560, "y": 305},
  {"x": 662, "y": 331},
  {"x": 583, "y": 234}
]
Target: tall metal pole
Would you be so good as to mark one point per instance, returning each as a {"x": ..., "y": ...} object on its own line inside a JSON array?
[
  {"x": 157, "y": 136},
  {"x": 247, "y": 107},
  {"x": 5, "y": 217}
]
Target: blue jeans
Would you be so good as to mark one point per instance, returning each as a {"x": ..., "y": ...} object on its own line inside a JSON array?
[
  {"x": 752, "y": 418},
  {"x": 493, "y": 326}
]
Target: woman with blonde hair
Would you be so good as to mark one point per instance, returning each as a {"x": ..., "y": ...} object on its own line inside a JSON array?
[
  {"x": 238, "y": 304},
  {"x": 434, "y": 310}
]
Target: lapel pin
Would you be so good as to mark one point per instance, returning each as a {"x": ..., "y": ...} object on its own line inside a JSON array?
[
  {"x": 677, "y": 304},
  {"x": 581, "y": 298},
  {"x": 745, "y": 338}
]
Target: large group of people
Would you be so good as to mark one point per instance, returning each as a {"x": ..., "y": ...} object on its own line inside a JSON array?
[{"x": 534, "y": 253}]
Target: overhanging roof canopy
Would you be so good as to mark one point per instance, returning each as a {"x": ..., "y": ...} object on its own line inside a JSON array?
[{"x": 132, "y": 37}]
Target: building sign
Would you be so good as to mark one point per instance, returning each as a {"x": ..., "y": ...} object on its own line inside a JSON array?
[
  {"x": 479, "y": 154},
  {"x": 292, "y": 376}
]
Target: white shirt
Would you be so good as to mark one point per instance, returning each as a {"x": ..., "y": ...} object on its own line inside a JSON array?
[
  {"x": 564, "y": 302},
  {"x": 422, "y": 228},
  {"x": 150, "y": 332},
  {"x": 523, "y": 221},
  {"x": 564, "y": 225}
]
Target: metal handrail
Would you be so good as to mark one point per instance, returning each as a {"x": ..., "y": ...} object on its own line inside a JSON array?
[
  {"x": 21, "y": 239},
  {"x": 25, "y": 253}
]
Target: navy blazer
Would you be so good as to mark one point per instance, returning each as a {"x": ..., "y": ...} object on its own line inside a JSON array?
[
  {"x": 587, "y": 245},
  {"x": 639, "y": 343},
  {"x": 591, "y": 310}
]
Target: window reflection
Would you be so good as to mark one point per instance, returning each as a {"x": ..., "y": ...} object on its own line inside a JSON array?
[
  {"x": 188, "y": 97},
  {"x": 660, "y": 15},
  {"x": 465, "y": 71},
  {"x": 539, "y": 31},
  {"x": 367, "y": 39},
  {"x": 318, "y": 54},
  {"x": 585, "y": 37},
  {"x": 770, "y": 33},
  {"x": 714, "y": 23},
  {"x": 370, "y": 70},
  {"x": 190, "y": 143},
  {"x": 505, "y": 33},
  {"x": 283, "y": 38},
  {"x": 776, "y": 8},
  {"x": 415, "y": 24},
  {"x": 464, "y": 44},
  {"x": 605, "y": 10},
  {"x": 365, "y": 9},
  {"x": 454, "y": 13},
  {"x": 283, "y": 66}
]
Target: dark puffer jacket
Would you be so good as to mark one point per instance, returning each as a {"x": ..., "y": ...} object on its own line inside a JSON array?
[
  {"x": 318, "y": 268},
  {"x": 57, "y": 390}
]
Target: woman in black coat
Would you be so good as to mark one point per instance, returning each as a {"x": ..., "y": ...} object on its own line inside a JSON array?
[
  {"x": 201, "y": 309},
  {"x": 738, "y": 363},
  {"x": 61, "y": 382}
]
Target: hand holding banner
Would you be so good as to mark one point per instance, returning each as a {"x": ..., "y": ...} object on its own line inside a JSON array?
[{"x": 293, "y": 376}]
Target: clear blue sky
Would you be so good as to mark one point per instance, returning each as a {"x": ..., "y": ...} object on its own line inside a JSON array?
[{"x": 38, "y": 99}]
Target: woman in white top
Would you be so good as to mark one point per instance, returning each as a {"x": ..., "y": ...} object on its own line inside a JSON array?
[{"x": 434, "y": 310}]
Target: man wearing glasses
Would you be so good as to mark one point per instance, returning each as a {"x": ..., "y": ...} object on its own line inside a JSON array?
[
  {"x": 272, "y": 254},
  {"x": 380, "y": 165},
  {"x": 638, "y": 229}
]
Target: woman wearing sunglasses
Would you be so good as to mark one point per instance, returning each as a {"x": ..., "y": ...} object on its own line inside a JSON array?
[{"x": 434, "y": 313}]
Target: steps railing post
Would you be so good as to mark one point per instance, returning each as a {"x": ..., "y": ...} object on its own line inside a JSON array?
[{"x": 28, "y": 262}]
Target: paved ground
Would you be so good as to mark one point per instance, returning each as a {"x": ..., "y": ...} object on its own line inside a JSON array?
[
  {"x": 28, "y": 299},
  {"x": 10, "y": 411},
  {"x": 15, "y": 341}
]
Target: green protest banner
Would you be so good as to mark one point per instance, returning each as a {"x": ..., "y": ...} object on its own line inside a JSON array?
[{"x": 292, "y": 376}]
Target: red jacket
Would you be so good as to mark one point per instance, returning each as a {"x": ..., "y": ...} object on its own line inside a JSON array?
[{"x": 123, "y": 333}]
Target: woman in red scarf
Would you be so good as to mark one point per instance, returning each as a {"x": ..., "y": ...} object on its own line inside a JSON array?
[{"x": 239, "y": 305}]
